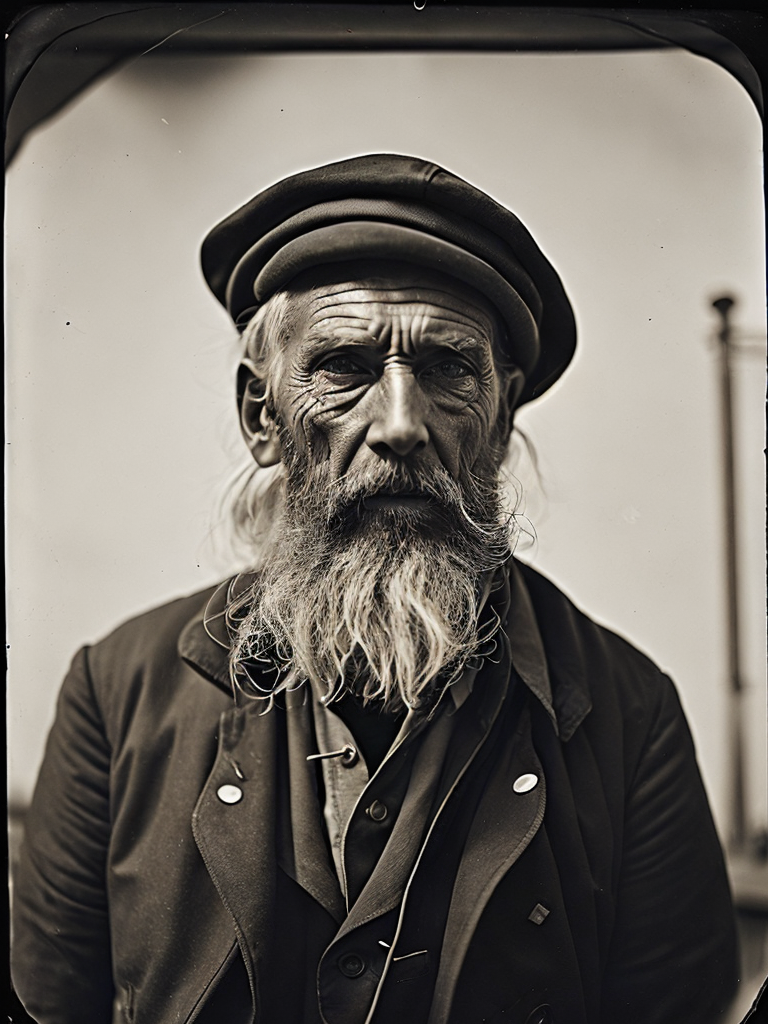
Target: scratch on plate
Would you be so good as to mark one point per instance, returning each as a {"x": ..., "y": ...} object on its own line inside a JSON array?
[{"x": 178, "y": 31}]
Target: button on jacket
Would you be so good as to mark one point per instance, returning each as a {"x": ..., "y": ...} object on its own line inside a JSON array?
[{"x": 177, "y": 866}]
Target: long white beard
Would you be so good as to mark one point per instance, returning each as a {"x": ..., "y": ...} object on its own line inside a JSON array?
[{"x": 384, "y": 602}]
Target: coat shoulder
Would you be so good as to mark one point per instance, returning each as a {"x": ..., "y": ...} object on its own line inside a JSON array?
[
  {"x": 153, "y": 633},
  {"x": 138, "y": 666}
]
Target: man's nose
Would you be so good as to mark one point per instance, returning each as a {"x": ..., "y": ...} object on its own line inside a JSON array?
[{"x": 397, "y": 424}]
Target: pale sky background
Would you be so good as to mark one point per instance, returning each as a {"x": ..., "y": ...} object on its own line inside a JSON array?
[{"x": 640, "y": 175}]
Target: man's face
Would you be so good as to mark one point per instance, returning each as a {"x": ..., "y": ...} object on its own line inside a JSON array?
[
  {"x": 400, "y": 369},
  {"x": 387, "y": 406}
]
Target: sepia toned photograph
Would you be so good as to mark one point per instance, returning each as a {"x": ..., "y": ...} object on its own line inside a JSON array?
[{"x": 386, "y": 574}]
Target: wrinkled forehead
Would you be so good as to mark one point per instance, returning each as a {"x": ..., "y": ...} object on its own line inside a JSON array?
[{"x": 376, "y": 288}]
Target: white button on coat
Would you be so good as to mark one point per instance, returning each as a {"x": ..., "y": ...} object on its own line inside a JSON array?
[
  {"x": 229, "y": 794},
  {"x": 525, "y": 783}
]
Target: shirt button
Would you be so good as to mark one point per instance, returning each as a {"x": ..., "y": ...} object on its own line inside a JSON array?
[
  {"x": 525, "y": 783},
  {"x": 377, "y": 811},
  {"x": 229, "y": 794},
  {"x": 351, "y": 965}
]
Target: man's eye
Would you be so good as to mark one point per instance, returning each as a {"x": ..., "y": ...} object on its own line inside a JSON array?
[
  {"x": 451, "y": 369},
  {"x": 342, "y": 366}
]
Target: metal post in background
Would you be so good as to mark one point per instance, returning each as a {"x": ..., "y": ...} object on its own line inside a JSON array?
[{"x": 738, "y": 823}]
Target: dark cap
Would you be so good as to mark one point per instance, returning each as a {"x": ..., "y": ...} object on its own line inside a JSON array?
[{"x": 385, "y": 206}]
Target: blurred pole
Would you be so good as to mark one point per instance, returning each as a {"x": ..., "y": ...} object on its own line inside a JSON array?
[{"x": 738, "y": 830}]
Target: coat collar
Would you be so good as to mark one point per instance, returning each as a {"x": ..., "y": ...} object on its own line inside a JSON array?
[
  {"x": 544, "y": 644},
  {"x": 204, "y": 642}
]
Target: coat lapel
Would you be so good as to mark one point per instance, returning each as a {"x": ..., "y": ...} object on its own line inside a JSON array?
[
  {"x": 504, "y": 825},
  {"x": 234, "y": 825},
  {"x": 257, "y": 814}
]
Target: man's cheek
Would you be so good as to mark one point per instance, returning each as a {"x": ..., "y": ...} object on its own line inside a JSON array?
[
  {"x": 471, "y": 433},
  {"x": 302, "y": 422},
  {"x": 313, "y": 444}
]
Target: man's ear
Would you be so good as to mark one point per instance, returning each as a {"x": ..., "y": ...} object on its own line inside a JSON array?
[{"x": 257, "y": 426}]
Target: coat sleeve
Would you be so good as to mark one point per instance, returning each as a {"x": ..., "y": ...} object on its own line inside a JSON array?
[
  {"x": 673, "y": 958},
  {"x": 61, "y": 959}
]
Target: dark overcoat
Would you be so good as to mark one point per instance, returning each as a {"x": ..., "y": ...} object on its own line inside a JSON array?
[{"x": 599, "y": 896}]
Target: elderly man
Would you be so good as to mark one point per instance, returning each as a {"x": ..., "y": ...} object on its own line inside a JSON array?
[{"x": 389, "y": 774}]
